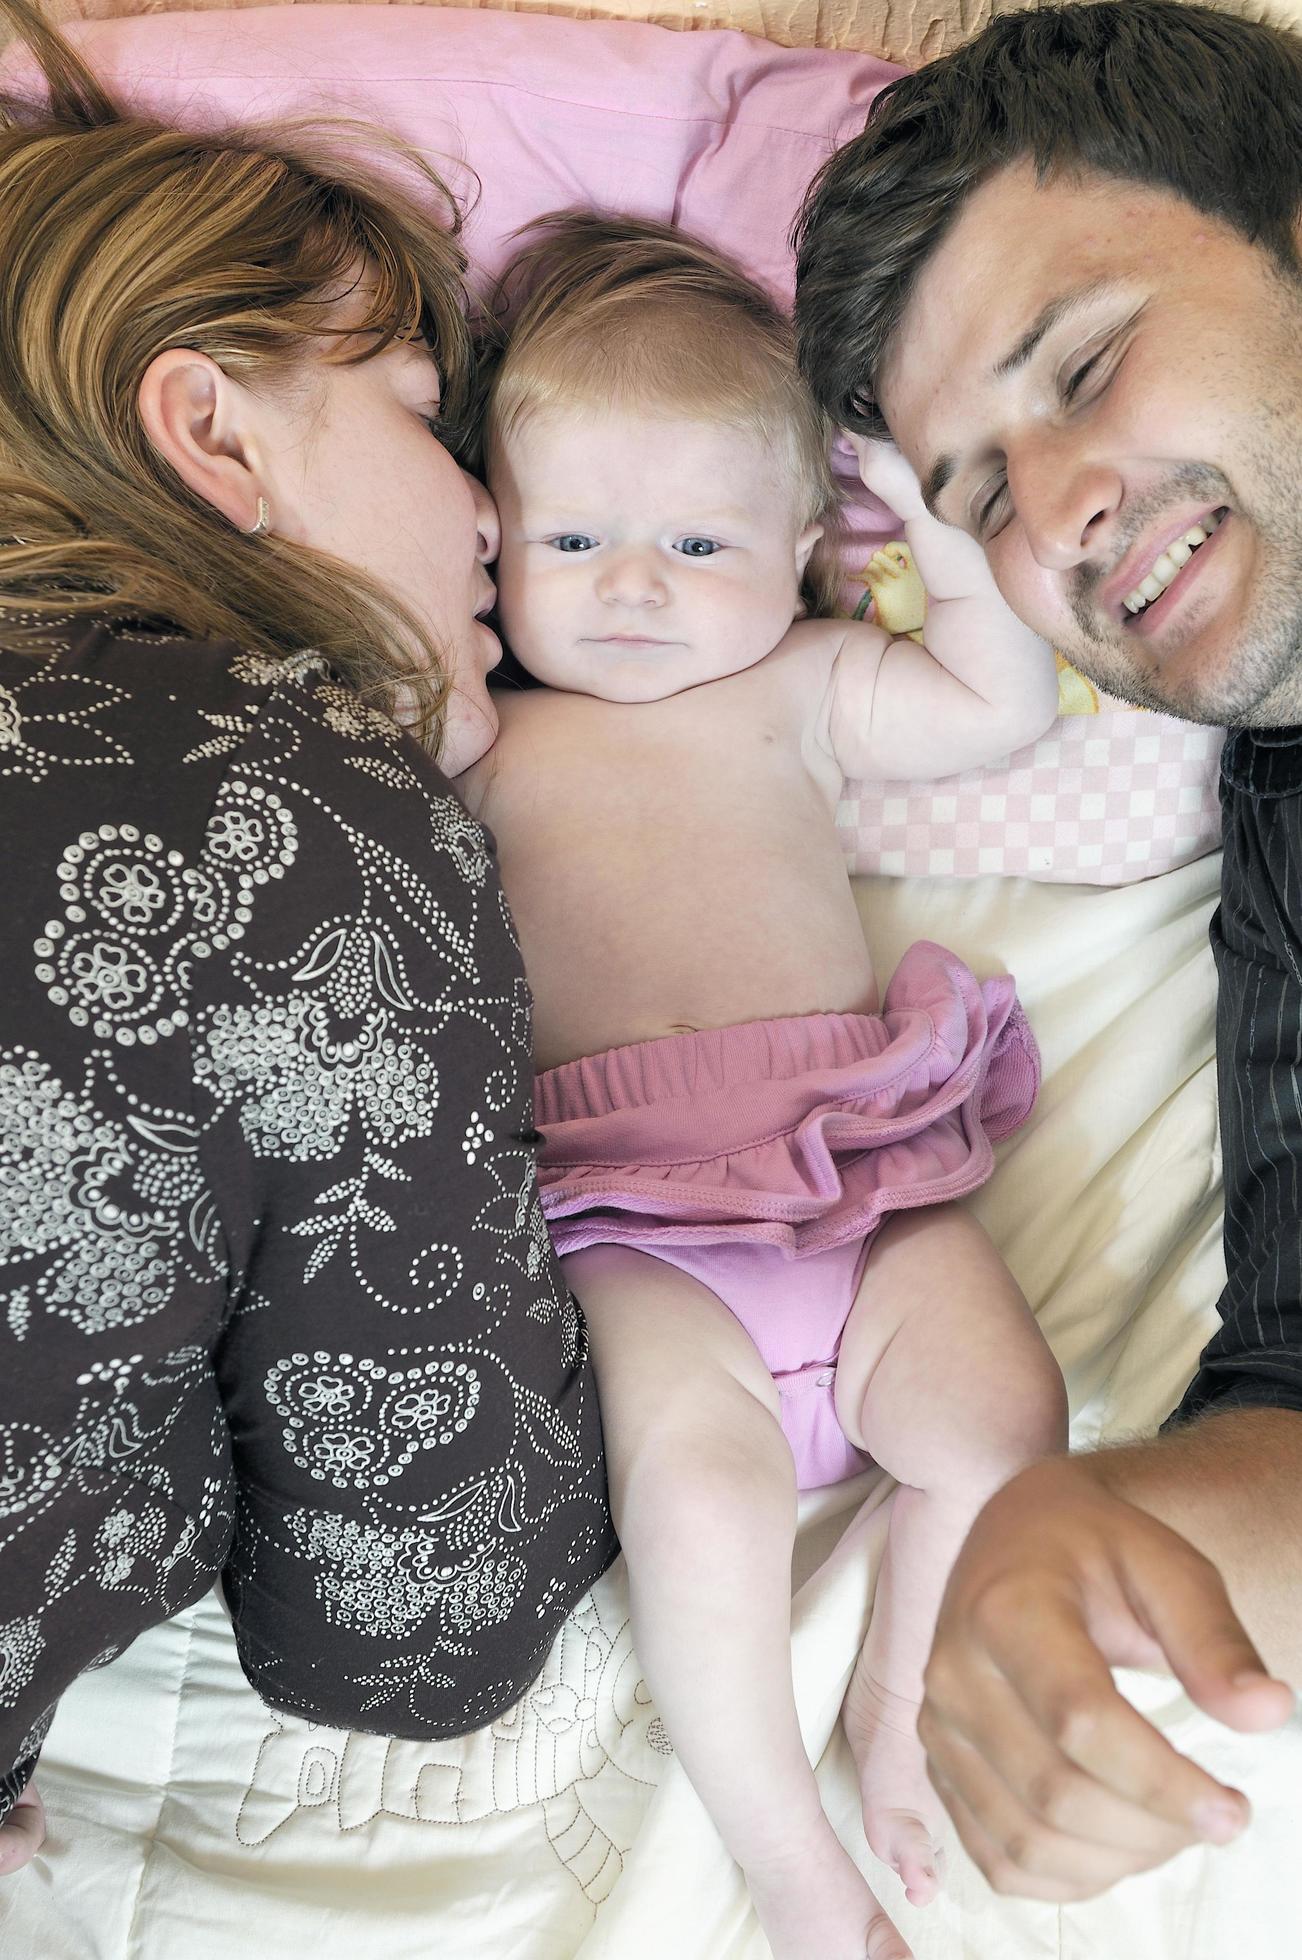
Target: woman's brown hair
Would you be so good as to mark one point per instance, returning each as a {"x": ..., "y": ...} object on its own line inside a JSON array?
[{"x": 121, "y": 237}]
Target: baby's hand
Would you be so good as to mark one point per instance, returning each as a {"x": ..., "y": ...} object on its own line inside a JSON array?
[{"x": 886, "y": 473}]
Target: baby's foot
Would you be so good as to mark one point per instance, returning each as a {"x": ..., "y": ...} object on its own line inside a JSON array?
[
  {"x": 814, "y": 1900},
  {"x": 902, "y": 1816}
]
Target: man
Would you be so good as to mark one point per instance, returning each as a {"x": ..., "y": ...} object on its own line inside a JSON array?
[{"x": 1063, "y": 268}]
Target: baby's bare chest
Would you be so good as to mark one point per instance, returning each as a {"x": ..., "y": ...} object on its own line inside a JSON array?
[
  {"x": 667, "y": 867},
  {"x": 632, "y": 786}
]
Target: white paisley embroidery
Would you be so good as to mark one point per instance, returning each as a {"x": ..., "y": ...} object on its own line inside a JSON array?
[
  {"x": 361, "y": 1422},
  {"x": 52, "y": 719},
  {"x": 102, "y": 1203},
  {"x": 21, "y": 1643},
  {"x": 314, "y": 1038}
]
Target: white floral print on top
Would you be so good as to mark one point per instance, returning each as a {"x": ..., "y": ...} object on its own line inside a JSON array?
[{"x": 276, "y": 1300}]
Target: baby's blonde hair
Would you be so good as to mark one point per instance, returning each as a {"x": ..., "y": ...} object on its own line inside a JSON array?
[{"x": 628, "y": 314}]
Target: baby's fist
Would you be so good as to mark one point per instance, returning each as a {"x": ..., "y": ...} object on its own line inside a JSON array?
[{"x": 888, "y": 475}]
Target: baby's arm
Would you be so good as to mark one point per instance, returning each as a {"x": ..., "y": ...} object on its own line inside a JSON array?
[{"x": 981, "y": 685}]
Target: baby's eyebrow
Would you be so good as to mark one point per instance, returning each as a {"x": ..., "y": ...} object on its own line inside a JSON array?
[
  {"x": 540, "y": 510},
  {"x": 725, "y": 514}
]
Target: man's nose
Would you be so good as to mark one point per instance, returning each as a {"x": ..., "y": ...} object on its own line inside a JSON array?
[
  {"x": 632, "y": 578},
  {"x": 1065, "y": 503}
]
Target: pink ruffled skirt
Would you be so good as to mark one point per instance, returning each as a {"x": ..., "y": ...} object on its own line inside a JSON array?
[{"x": 761, "y": 1158}]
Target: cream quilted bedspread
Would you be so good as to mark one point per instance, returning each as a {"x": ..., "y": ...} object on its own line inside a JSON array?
[{"x": 189, "y": 1823}]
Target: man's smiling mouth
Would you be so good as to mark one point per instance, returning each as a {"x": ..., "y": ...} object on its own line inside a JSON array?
[{"x": 1168, "y": 564}]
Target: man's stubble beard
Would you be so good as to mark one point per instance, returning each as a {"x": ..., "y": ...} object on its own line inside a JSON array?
[{"x": 1258, "y": 680}]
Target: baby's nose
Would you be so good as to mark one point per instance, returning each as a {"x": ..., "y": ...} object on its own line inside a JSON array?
[{"x": 632, "y": 579}]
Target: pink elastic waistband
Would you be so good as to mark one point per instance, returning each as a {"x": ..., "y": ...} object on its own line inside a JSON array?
[
  {"x": 802, "y": 1131},
  {"x": 714, "y": 1068}
]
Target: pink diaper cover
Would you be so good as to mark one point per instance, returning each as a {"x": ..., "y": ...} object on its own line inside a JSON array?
[{"x": 762, "y": 1158}]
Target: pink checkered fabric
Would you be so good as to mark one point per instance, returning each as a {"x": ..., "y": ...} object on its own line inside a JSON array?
[{"x": 1101, "y": 799}]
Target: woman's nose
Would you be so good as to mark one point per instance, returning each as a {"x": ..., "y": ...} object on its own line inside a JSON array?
[
  {"x": 631, "y": 579},
  {"x": 488, "y": 540},
  {"x": 1065, "y": 504}
]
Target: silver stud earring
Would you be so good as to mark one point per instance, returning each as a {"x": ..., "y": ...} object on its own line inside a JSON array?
[{"x": 262, "y": 523}]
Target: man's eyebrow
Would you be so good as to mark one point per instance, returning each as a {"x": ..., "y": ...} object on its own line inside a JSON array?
[{"x": 1048, "y": 318}]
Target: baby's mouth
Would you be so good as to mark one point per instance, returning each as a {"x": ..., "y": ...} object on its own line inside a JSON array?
[{"x": 633, "y": 640}]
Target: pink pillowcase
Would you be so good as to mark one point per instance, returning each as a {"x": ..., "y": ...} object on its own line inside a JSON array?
[{"x": 720, "y": 133}]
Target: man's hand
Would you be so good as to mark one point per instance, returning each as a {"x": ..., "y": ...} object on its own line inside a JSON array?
[
  {"x": 1057, "y": 1786},
  {"x": 23, "y": 1832}
]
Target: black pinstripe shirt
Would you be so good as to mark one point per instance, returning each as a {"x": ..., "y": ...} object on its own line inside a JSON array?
[{"x": 1256, "y": 1358}]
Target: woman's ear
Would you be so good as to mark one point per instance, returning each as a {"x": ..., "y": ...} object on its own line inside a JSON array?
[
  {"x": 805, "y": 546},
  {"x": 200, "y": 422}
]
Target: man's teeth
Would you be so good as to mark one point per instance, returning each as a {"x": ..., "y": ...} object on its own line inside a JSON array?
[{"x": 1168, "y": 563}]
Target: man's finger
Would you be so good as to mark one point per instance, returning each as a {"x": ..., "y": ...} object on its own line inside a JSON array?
[
  {"x": 1049, "y": 1660},
  {"x": 1181, "y": 1599},
  {"x": 989, "y": 1858},
  {"x": 1038, "y": 1784},
  {"x": 1020, "y": 1855}
]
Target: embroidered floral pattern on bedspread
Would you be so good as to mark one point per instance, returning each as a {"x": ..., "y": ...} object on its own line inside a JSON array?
[{"x": 583, "y": 1750}]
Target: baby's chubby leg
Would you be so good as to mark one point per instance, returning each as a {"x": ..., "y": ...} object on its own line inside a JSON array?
[
  {"x": 946, "y": 1381},
  {"x": 703, "y": 1492}
]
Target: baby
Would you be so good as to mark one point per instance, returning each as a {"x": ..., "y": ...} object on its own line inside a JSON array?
[{"x": 749, "y": 1163}]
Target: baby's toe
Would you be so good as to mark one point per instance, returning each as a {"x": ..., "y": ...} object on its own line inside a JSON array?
[{"x": 901, "y": 1839}]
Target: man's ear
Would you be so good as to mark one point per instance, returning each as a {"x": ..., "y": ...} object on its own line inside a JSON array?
[{"x": 196, "y": 417}]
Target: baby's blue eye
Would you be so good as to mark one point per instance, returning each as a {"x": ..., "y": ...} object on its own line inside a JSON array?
[
  {"x": 572, "y": 541},
  {"x": 698, "y": 547}
]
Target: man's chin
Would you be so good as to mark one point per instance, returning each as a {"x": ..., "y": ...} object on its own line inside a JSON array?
[{"x": 1212, "y": 689}]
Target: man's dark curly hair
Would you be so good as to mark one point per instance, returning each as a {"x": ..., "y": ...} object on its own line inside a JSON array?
[{"x": 1156, "y": 92}]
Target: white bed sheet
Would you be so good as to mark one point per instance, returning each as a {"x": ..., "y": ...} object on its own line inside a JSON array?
[{"x": 187, "y": 1820}]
